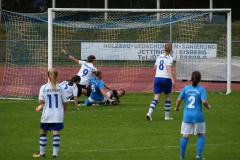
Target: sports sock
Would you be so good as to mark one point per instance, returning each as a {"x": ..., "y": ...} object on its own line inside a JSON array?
[
  {"x": 152, "y": 106},
  {"x": 183, "y": 145},
  {"x": 200, "y": 144},
  {"x": 56, "y": 144},
  {"x": 167, "y": 108},
  {"x": 42, "y": 143}
]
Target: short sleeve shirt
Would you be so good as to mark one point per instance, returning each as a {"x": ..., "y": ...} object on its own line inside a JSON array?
[{"x": 193, "y": 97}]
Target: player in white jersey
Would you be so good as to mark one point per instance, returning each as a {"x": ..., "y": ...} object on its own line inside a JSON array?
[
  {"x": 163, "y": 81},
  {"x": 85, "y": 72},
  {"x": 53, "y": 96},
  {"x": 71, "y": 89},
  {"x": 193, "y": 120},
  {"x": 70, "y": 86}
]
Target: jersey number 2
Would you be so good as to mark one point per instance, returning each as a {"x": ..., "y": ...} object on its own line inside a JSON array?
[
  {"x": 50, "y": 100},
  {"x": 191, "y": 99}
]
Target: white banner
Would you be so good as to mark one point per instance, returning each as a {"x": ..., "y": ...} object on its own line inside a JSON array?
[{"x": 146, "y": 51}]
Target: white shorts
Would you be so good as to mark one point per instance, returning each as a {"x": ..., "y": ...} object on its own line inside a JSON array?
[
  {"x": 102, "y": 101},
  {"x": 193, "y": 128}
]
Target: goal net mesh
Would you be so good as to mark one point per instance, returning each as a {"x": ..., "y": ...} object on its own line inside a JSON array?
[{"x": 125, "y": 44}]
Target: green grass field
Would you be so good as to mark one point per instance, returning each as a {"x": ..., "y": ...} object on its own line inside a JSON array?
[{"x": 121, "y": 132}]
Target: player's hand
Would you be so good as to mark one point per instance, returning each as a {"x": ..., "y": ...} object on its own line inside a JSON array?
[
  {"x": 111, "y": 100},
  {"x": 173, "y": 83},
  {"x": 65, "y": 52}
]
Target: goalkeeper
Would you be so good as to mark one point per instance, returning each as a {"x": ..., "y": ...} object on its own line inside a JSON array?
[{"x": 115, "y": 95}]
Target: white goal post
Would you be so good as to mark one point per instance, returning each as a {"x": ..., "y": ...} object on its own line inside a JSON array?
[{"x": 229, "y": 24}]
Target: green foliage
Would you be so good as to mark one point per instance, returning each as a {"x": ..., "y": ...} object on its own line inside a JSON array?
[{"x": 121, "y": 132}]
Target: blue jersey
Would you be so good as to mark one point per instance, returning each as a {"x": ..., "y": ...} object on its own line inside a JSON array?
[
  {"x": 96, "y": 85},
  {"x": 193, "y": 97}
]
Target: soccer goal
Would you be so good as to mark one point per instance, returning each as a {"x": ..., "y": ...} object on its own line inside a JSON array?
[{"x": 125, "y": 42}]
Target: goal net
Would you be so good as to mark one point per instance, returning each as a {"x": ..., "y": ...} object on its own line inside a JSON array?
[{"x": 125, "y": 43}]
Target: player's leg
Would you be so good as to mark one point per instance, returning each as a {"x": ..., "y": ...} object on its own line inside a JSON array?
[
  {"x": 167, "y": 91},
  {"x": 42, "y": 140},
  {"x": 186, "y": 130},
  {"x": 157, "y": 91},
  {"x": 57, "y": 127},
  {"x": 200, "y": 130}
]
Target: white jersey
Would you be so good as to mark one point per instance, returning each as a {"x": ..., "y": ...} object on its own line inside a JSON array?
[
  {"x": 69, "y": 90},
  {"x": 86, "y": 72},
  {"x": 53, "y": 111},
  {"x": 162, "y": 62}
]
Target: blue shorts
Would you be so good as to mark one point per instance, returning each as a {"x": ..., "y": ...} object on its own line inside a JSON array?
[
  {"x": 162, "y": 85},
  {"x": 84, "y": 87},
  {"x": 51, "y": 126}
]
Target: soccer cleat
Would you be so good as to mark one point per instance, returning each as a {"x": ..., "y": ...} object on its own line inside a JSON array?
[
  {"x": 181, "y": 157},
  {"x": 95, "y": 104},
  {"x": 168, "y": 118},
  {"x": 149, "y": 118},
  {"x": 54, "y": 156},
  {"x": 200, "y": 157},
  {"x": 38, "y": 155},
  {"x": 81, "y": 105}
]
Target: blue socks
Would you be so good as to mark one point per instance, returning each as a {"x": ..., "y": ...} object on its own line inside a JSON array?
[
  {"x": 200, "y": 144},
  {"x": 183, "y": 145}
]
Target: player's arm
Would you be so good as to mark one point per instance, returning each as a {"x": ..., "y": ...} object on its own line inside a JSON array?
[
  {"x": 41, "y": 105},
  {"x": 70, "y": 57},
  {"x": 87, "y": 85},
  {"x": 107, "y": 87},
  {"x": 105, "y": 95},
  {"x": 178, "y": 102},
  {"x": 64, "y": 108},
  {"x": 76, "y": 102},
  {"x": 205, "y": 103},
  {"x": 169, "y": 68},
  {"x": 155, "y": 67}
]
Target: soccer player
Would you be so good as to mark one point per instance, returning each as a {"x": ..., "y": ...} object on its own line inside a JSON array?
[
  {"x": 115, "y": 95},
  {"x": 70, "y": 86},
  {"x": 193, "y": 119},
  {"x": 52, "y": 95},
  {"x": 97, "y": 94},
  {"x": 85, "y": 72},
  {"x": 163, "y": 82}
]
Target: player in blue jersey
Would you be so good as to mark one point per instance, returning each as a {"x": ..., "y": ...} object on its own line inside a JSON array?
[
  {"x": 53, "y": 96},
  {"x": 163, "y": 82},
  {"x": 193, "y": 120},
  {"x": 97, "y": 94}
]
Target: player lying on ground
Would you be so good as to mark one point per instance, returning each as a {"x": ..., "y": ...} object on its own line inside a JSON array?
[
  {"x": 115, "y": 95},
  {"x": 97, "y": 94}
]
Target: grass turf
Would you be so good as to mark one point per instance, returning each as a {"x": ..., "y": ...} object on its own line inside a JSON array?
[{"x": 121, "y": 132}]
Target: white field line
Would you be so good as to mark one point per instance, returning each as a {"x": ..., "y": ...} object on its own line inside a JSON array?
[{"x": 116, "y": 149}]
